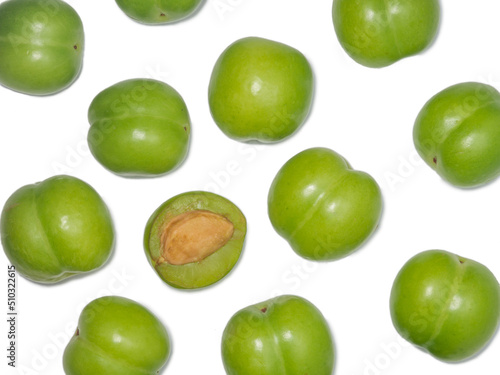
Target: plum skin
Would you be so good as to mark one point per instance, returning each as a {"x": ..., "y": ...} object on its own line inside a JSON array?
[
  {"x": 378, "y": 33},
  {"x": 284, "y": 335},
  {"x": 322, "y": 207},
  {"x": 117, "y": 336},
  {"x": 446, "y": 304},
  {"x": 153, "y": 12},
  {"x": 46, "y": 57},
  {"x": 457, "y": 134},
  {"x": 139, "y": 128},
  {"x": 56, "y": 229},
  {"x": 260, "y": 90}
]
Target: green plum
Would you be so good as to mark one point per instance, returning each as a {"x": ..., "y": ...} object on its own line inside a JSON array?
[
  {"x": 158, "y": 11},
  {"x": 139, "y": 128},
  {"x": 117, "y": 336},
  {"x": 260, "y": 90},
  {"x": 447, "y": 305},
  {"x": 286, "y": 335},
  {"x": 194, "y": 239},
  {"x": 41, "y": 46},
  {"x": 457, "y": 133},
  {"x": 56, "y": 229},
  {"x": 322, "y": 207},
  {"x": 377, "y": 33}
]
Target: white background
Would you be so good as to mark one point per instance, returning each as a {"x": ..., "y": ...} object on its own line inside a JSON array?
[{"x": 364, "y": 114}]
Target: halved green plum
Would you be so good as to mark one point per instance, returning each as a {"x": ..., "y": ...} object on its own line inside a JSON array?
[{"x": 194, "y": 239}]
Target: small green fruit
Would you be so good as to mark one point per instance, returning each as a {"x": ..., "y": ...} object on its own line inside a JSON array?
[
  {"x": 55, "y": 229},
  {"x": 322, "y": 207},
  {"x": 194, "y": 239},
  {"x": 158, "y": 12},
  {"x": 457, "y": 133},
  {"x": 377, "y": 33},
  {"x": 445, "y": 304},
  {"x": 117, "y": 336},
  {"x": 41, "y": 46},
  {"x": 139, "y": 128},
  {"x": 260, "y": 90},
  {"x": 285, "y": 335}
]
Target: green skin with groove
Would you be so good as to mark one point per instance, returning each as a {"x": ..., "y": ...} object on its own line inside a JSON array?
[
  {"x": 139, "y": 128},
  {"x": 208, "y": 271},
  {"x": 377, "y": 33},
  {"x": 41, "y": 46},
  {"x": 322, "y": 207},
  {"x": 117, "y": 336},
  {"x": 55, "y": 229},
  {"x": 154, "y": 12},
  {"x": 457, "y": 133},
  {"x": 447, "y": 305},
  {"x": 286, "y": 335},
  {"x": 260, "y": 90}
]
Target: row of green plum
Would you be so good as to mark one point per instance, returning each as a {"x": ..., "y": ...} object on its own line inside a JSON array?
[
  {"x": 116, "y": 335},
  {"x": 141, "y": 127},
  {"x": 54, "y": 229},
  {"x": 442, "y": 303},
  {"x": 42, "y": 42},
  {"x": 259, "y": 90}
]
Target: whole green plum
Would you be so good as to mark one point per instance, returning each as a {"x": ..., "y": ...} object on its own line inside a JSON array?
[
  {"x": 457, "y": 133},
  {"x": 322, "y": 207},
  {"x": 194, "y": 239},
  {"x": 447, "y": 305},
  {"x": 139, "y": 128},
  {"x": 377, "y": 33},
  {"x": 117, "y": 336},
  {"x": 284, "y": 335},
  {"x": 56, "y": 229},
  {"x": 41, "y": 46},
  {"x": 260, "y": 90},
  {"x": 158, "y": 11}
]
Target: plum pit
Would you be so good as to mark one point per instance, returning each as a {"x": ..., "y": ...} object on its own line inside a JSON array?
[{"x": 193, "y": 236}]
